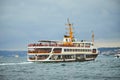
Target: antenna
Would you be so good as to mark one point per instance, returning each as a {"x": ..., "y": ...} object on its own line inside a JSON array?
[
  {"x": 69, "y": 24},
  {"x": 68, "y": 21},
  {"x": 93, "y": 37}
]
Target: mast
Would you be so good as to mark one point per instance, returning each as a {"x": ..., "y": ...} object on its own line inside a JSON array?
[
  {"x": 70, "y": 29},
  {"x": 68, "y": 39}
]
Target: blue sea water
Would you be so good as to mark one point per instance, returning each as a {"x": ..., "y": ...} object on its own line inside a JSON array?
[{"x": 17, "y": 68}]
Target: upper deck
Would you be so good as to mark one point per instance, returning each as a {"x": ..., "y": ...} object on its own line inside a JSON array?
[{"x": 45, "y": 43}]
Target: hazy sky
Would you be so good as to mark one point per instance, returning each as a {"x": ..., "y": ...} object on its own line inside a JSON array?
[{"x": 27, "y": 21}]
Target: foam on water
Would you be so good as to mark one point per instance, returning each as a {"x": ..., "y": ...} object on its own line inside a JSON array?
[{"x": 20, "y": 63}]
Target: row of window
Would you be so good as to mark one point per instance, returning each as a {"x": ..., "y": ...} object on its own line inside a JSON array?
[
  {"x": 83, "y": 44},
  {"x": 77, "y": 50}
]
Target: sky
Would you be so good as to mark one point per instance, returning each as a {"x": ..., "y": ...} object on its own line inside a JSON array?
[{"x": 27, "y": 21}]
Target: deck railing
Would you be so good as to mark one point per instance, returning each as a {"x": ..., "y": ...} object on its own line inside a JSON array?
[
  {"x": 61, "y": 45},
  {"x": 33, "y": 45}
]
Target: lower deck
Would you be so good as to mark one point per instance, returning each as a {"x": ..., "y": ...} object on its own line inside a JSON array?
[{"x": 61, "y": 57}]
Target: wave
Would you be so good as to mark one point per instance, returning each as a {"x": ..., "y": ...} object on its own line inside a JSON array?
[{"x": 21, "y": 63}]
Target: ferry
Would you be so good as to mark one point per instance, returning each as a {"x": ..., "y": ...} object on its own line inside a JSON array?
[
  {"x": 117, "y": 55},
  {"x": 67, "y": 50}
]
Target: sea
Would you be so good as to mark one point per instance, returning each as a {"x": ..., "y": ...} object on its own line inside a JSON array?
[{"x": 105, "y": 67}]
